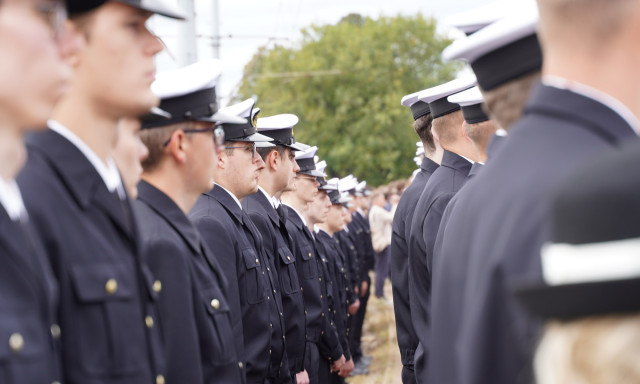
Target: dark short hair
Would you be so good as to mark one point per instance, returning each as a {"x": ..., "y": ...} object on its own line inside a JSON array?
[{"x": 422, "y": 126}]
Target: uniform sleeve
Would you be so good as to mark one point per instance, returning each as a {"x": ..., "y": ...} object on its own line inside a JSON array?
[
  {"x": 432, "y": 225},
  {"x": 218, "y": 240},
  {"x": 170, "y": 266}
]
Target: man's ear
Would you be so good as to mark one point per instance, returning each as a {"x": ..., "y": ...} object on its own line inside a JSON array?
[
  {"x": 273, "y": 160},
  {"x": 178, "y": 145}
]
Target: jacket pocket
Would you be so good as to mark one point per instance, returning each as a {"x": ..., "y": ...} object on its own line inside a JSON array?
[
  {"x": 254, "y": 285},
  {"x": 287, "y": 272},
  {"x": 108, "y": 325},
  {"x": 309, "y": 263},
  {"x": 217, "y": 341}
]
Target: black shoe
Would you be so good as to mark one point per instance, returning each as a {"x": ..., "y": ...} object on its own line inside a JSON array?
[
  {"x": 366, "y": 360},
  {"x": 359, "y": 369}
]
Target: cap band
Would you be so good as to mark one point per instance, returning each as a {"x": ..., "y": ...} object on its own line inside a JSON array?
[
  {"x": 474, "y": 114},
  {"x": 195, "y": 106},
  {"x": 419, "y": 109},
  {"x": 508, "y": 63},
  {"x": 442, "y": 107},
  {"x": 237, "y": 131},
  {"x": 280, "y": 136}
]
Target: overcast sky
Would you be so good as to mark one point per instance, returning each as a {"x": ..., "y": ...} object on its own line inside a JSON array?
[{"x": 246, "y": 25}]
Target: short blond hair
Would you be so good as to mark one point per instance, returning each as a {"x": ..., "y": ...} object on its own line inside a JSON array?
[
  {"x": 505, "y": 103},
  {"x": 448, "y": 127},
  {"x": 596, "y": 350}
]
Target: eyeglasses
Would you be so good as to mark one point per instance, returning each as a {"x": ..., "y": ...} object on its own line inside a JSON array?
[
  {"x": 309, "y": 178},
  {"x": 253, "y": 149},
  {"x": 54, "y": 13},
  {"x": 218, "y": 135}
]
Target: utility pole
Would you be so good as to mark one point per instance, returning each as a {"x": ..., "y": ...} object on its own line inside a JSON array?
[
  {"x": 216, "y": 30},
  {"x": 187, "y": 47}
]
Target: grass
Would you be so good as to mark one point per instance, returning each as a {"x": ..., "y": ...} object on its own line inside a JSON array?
[{"x": 379, "y": 341}]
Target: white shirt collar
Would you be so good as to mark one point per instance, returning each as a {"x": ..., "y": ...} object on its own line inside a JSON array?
[
  {"x": 360, "y": 212},
  {"x": 616, "y": 105},
  {"x": 304, "y": 222},
  {"x": 108, "y": 172},
  {"x": 11, "y": 199},
  {"x": 272, "y": 200},
  {"x": 231, "y": 194},
  {"x": 466, "y": 158}
]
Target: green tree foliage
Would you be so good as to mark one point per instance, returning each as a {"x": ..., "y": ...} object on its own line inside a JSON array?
[{"x": 345, "y": 82}]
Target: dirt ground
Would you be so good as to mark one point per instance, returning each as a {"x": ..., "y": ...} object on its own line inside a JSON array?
[{"x": 379, "y": 341}]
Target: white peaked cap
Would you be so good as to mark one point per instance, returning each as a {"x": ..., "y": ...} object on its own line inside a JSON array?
[
  {"x": 473, "y": 20},
  {"x": 347, "y": 184},
  {"x": 282, "y": 121},
  {"x": 447, "y": 89},
  {"x": 195, "y": 77},
  {"x": 308, "y": 153},
  {"x": 242, "y": 109},
  {"x": 321, "y": 166},
  {"x": 521, "y": 22},
  {"x": 410, "y": 99},
  {"x": 471, "y": 96}
]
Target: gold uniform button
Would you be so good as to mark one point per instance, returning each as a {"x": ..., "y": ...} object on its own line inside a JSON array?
[
  {"x": 148, "y": 321},
  {"x": 240, "y": 365},
  {"x": 111, "y": 287},
  {"x": 16, "y": 342},
  {"x": 319, "y": 278},
  {"x": 322, "y": 314},
  {"x": 157, "y": 286},
  {"x": 55, "y": 382},
  {"x": 257, "y": 261},
  {"x": 309, "y": 254},
  {"x": 289, "y": 258},
  {"x": 159, "y": 379},
  {"x": 215, "y": 303},
  {"x": 55, "y": 331}
]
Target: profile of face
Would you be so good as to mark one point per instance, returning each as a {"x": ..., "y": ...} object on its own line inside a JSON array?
[
  {"x": 346, "y": 216},
  {"x": 243, "y": 166},
  {"x": 290, "y": 167},
  {"x": 34, "y": 71},
  {"x": 335, "y": 221},
  {"x": 202, "y": 157},
  {"x": 119, "y": 47},
  {"x": 305, "y": 187},
  {"x": 318, "y": 208},
  {"x": 128, "y": 153}
]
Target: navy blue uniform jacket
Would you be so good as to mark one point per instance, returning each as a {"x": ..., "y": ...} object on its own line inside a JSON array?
[
  {"x": 504, "y": 227},
  {"x": 447, "y": 287},
  {"x": 29, "y": 347},
  {"x": 255, "y": 314},
  {"x": 438, "y": 191},
  {"x": 276, "y": 242},
  {"x": 91, "y": 240},
  {"x": 194, "y": 313},
  {"x": 407, "y": 338}
]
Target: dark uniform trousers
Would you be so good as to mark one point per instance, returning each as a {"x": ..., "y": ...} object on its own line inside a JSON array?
[
  {"x": 105, "y": 290},
  {"x": 407, "y": 338},
  {"x": 29, "y": 334},
  {"x": 194, "y": 313},
  {"x": 505, "y": 225},
  {"x": 438, "y": 191},
  {"x": 277, "y": 246},
  {"x": 351, "y": 260},
  {"x": 308, "y": 264},
  {"x": 330, "y": 346},
  {"x": 255, "y": 312},
  {"x": 361, "y": 235},
  {"x": 340, "y": 293}
]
